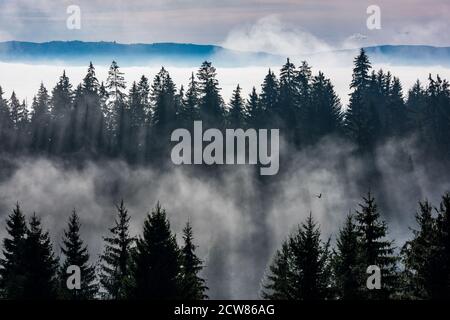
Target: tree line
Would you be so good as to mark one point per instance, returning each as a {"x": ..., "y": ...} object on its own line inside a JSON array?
[
  {"x": 100, "y": 119},
  {"x": 153, "y": 266}
]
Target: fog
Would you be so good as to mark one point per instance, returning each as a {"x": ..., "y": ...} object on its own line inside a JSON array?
[{"x": 238, "y": 220}]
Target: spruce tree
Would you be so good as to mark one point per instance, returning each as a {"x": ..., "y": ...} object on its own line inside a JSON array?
[
  {"x": 13, "y": 266},
  {"x": 236, "y": 111},
  {"x": 143, "y": 88},
  {"x": 19, "y": 114},
  {"x": 441, "y": 288},
  {"x": 40, "y": 120},
  {"x": 346, "y": 262},
  {"x": 419, "y": 256},
  {"x": 302, "y": 270},
  {"x": 76, "y": 254},
  {"x": 89, "y": 115},
  {"x": 6, "y": 124},
  {"x": 306, "y": 110},
  {"x": 61, "y": 109},
  {"x": 360, "y": 118},
  {"x": 115, "y": 260},
  {"x": 278, "y": 284},
  {"x": 192, "y": 285},
  {"x": 375, "y": 248},
  {"x": 115, "y": 86},
  {"x": 41, "y": 264},
  {"x": 156, "y": 260},
  {"x": 211, "y": 104},
  {"x": 287, "y": 107},
  {"x": 190, "y": 108},
  {"x": 137, "y": 118},
  {"x": 269, "y": 97},
  {"x": 253, "y": 111},
  {"x": 325, "y": 116}
]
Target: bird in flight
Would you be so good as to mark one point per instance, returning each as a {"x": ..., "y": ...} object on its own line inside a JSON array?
[{"x": 319, "y": 195}]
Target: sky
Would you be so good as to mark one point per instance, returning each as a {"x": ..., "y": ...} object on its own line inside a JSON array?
[{"x": 321, "y": 22}]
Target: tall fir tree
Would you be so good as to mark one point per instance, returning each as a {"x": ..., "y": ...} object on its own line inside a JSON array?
[
  {"x": 269, "y": 97},
  {"x": 325, "y": 115},
  {"x": 192, "y": 286},
  {"x": 41, "y": 265},
  {"x": 6, "y": 124},
  {"x": 253, "y": 112},
  {"x": 76, "y": 254},
  {"x": 278, "y": 284},
  {"x": 12, "y": 265},
  {"x": 420, "y": 277},
  {"x": 375, "y": 248},
  {"x": 88, "y": 114},
  {"x": 346, "y": 266},
  {"x": 156, "y": 266},
  {"x": 307, "y": 260},
  {"x": 61, "y": 109},
  {"x": 235, "y": 117},
  {"x": 287, "y": 108},
  {"x": 115, "y": 270},
  {"x": 360, "y": 117},
  {"x": 211, "y": 105},
  {"x": 40, "y": 120},
  {"x": 190, "y": 108},
  {"x": 441, "y": 289}
]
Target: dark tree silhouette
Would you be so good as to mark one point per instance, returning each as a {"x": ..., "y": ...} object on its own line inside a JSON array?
[
  {"x": 114, "y": 269},
  {"x": 76, "y": 254}
]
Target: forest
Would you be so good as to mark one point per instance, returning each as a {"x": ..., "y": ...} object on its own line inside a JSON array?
[{"x": 97, "y": 121}]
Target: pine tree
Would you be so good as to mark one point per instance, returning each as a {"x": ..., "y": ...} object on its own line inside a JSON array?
[
  {"x": 287, "y": 107},
  {"x": 89, "y": 115},
  {"x": 144, "y": 94},
  {"x": 76, "y": 254},
  {"x": 61, "y": 99},
  {"x": 116, "y": 258},
  {"x": 6, "y": 124},
  {"x": 325, "y": 116},
  {"x": 61, "y": 109},
  {"x": 441, "y": 288},
  {"x": 345, "y": 262},
  {"x": 41, "y": 264},
  {"x": 236, "y": 111},
  {"x": 253, "y": 110},
  {"x": 163, "y": 98},
  {"x": 40, "y": 120},
  {"x": 192, "y": 285},
  {"x": 360, "y": 118},
  {"x": 138, "y": 125},
  {"x": 211, "y": 104},
  {"x": 307, "y": 260},
  {"x": 156, "y": 264},
  {"x": 19, "y": 114},
  {"x": 306, "y": 110},
  {"x": 375, "y": 249},
  {"x": 12, "y": 266},
  {"x": 279, "y": 285},
  {"x": 269, "y": 97},
  {"x": 190, "y": 108},
  {"x": 418, "y": 256}
]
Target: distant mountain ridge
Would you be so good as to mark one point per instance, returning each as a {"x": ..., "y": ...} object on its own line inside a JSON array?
[{"x": 79, "y": 52}]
